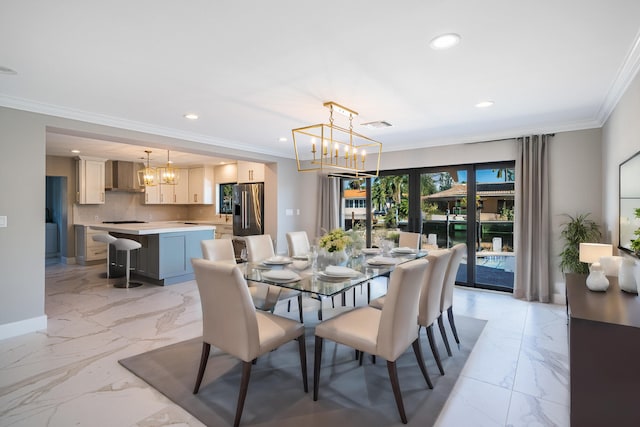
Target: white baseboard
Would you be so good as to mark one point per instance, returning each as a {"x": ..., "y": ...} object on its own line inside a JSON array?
[{"x": 22, "y": 327}]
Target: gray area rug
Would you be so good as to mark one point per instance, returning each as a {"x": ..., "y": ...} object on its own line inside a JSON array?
[{"x": 349, "y": 394}]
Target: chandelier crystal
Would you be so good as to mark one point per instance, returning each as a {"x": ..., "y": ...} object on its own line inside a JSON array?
[{"x": 336, "y": 150}]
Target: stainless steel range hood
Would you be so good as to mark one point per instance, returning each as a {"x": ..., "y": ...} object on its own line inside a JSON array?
[{"x": 122, "y": 176}]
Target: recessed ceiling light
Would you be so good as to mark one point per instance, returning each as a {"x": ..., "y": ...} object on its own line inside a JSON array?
[
  {"x": 75, "y": 151},
  {"x": 377, "y": 124},
  {"x": 484, "y": 104},
  {"x": 282, "y": 139},
  {"x": 7, "y": 70},
  {"x": 445, "y": 41},
  {"x": 191, "y": 116}
]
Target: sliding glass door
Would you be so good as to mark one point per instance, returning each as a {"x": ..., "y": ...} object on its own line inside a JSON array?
[{"x": 436, "y": 203}]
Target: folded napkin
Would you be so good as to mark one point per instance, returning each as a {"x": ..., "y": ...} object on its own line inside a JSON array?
[
  {"x": 403, "y": 250},
  {"x": 336, "y": 270},
  {"x": 382, "y": 260}
]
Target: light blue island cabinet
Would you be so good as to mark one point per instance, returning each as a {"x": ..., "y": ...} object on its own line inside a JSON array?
[{"x": 166, "y": 252}]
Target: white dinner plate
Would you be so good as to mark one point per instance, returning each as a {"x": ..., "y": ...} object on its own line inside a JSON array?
[
  {"x": 326, "y": 277},
  {"x": 371, "y": 251},
  {"x": 277, "y": 260},
  {"x": 300, "y": 257},
  {"x": 281, "y": 276}
]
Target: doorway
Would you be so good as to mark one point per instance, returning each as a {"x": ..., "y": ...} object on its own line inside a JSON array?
[{"x": 56, "y": 219}]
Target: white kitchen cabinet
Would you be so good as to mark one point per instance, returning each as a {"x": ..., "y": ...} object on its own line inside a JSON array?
[
  {"x": 90, "y": 181},
  {"x": 250, "y": 172},
  {"x": 181, "y": 189},
  {"x": 151, "y": 194},
  {"x": 87, "y": 250},
  {"x": 201, "y": 185}
]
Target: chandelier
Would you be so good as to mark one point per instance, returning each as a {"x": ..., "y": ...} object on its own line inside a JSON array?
[
  {"x": 147, "y": 176},
  {"x": 169, "y": 175},
  {"x": 336, "y": 150}
]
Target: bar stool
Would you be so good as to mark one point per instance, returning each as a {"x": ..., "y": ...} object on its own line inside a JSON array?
[
  {"x": 108, "y": 239},
  {"x": 127, "y": 245}
]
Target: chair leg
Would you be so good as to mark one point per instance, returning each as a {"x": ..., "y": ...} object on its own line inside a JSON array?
[
  {"x": 368, "y": 292},
  {"x": 417, "y": 350},
  {"x": 443, "y": 333},
  {"x": 316, "y": 367},
  {"x": 289, "y": 305},
  {"x": 206, "y": 347},
  {"x": 299, "y": 307},
  {"x": 434, "y": 348},
  {"x": 395, "y": 385},
  {"x": 453, "y": 325},
  {"x": 244, "y": 385},
  {"x": 303, "y": 362}
]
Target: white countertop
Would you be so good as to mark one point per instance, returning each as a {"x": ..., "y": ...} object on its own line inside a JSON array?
[{"x": 152, "y": 227}]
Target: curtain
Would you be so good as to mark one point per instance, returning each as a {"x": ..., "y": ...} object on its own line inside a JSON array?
[
  {"x": 532, "y": 229},
  {"x": 329, "y": 209}
]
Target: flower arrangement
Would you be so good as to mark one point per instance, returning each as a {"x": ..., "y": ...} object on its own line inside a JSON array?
[{"x": 335, "y": 240}]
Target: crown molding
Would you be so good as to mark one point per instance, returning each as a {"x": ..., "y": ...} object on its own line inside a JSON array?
[
  {"x": 625, "y": 75},
  {"x": 117, "y": 122}
]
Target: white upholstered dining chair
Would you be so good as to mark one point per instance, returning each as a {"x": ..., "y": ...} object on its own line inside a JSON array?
[
  {"x": 221, "y": 250},
  {"x": 259, "y": 248},
  {"x": 409, "y": 240},
  {"x": 247, "y": 333},
  {"x": 386, "y": 333},
  {"x": 446, "y": 302},
  {"x": 430, "y": 297},
  {"x": 298, "y": 243}
]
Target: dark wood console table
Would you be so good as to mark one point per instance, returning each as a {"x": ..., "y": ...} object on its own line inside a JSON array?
[{"x": 604, "y": 354}]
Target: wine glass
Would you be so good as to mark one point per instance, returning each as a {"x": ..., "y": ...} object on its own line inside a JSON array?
[{"x": 243, "y": 254}]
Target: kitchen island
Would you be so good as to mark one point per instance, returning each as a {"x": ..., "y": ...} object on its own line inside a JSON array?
[{"x": 166, "y": 252}]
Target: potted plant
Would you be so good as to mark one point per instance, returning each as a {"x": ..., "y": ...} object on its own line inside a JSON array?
[{"x": 577, "y": 230}]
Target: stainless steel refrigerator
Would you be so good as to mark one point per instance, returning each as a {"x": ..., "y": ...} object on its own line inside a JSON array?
[{"x": 248, "y": 215}]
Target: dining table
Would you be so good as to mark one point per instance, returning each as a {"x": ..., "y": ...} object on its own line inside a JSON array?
[{"x": 326, "y": 278}]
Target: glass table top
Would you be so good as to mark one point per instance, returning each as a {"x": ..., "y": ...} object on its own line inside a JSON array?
[{"x": 319, "y": 281}]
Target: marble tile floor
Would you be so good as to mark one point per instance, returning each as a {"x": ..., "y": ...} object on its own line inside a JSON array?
[{"x": 517, "y": 374}]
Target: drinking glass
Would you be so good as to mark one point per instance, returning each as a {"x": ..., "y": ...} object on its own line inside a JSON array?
[
  {"x": 313, "y": 257},
  {"x": 243, "y": 254}
]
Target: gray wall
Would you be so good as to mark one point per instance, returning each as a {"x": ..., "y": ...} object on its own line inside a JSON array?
[
  {"x": 22, "y": 200},
  {"x": 575, "y": 178},
  {"x": 621, "y": 140},
  {"x": 23, "y": 194}
]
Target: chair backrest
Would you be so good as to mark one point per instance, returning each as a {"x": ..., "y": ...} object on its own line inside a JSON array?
[
  {"x": 218, "y": 250},
  {"x": 228, "y": 316},
  {"x": 298, "y": 243},
  {"x": 398, "y": 328},
  {"x": 409, "y": 240},
  {"x": 457, "y": 254},
  {"x": 259, "y": 247},
  {"x": 430, "y": 296}
]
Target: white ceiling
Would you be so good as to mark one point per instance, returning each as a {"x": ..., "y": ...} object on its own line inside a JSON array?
[{"x": 253, "y": 70}]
